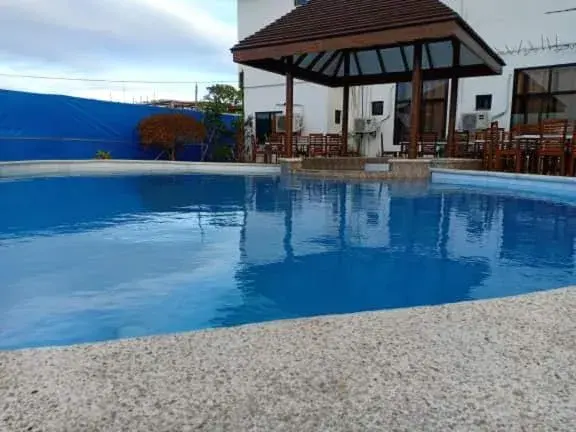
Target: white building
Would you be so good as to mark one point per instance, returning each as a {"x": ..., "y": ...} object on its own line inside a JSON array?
[{"x": 528, "y": 34}]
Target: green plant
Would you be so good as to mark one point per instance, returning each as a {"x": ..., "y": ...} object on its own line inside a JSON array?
[
  {"x": 222, "y": 153},
  {"x": 222, "y": 99},
  {"x": 101, "y": 154}
]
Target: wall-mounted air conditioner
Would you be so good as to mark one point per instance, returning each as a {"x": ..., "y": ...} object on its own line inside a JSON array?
[
  {"x": 364, "y": 125},
  {"x": 475, "y": 121},
  {"x": 297, "y": 123}
]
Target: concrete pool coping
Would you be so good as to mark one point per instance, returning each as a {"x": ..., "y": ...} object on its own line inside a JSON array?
[
  {"x": 504, "y": 364},
  {"x": 126, "y": 166}
]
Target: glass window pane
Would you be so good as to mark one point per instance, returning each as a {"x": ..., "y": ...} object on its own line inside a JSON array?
[
  {"x": 393, "y": 60},
  {"x": 377, "y": 108},
  {"x": 435, "y": 89},
  {"x": 563, "y": 79},
  {"x": 307, "y": 60},
  {"x": 433, "y": 117},
  {"x": 520, "y": 82},
  {"x": 402, "y": 121},
  {"x": 562, "y": 107},
  {"x": 441, "y": 53},
  {"x": 332, "y": 66},
  {"x": 320, "y": 63},
  {"x": 534, "y": 106},
  {"x": 537, "y": 80},
  {"x": 341, "y": 70},
  {"x": 369, "y": 62},
  {"x": 409, "y": 53},
  {"x": 353, "y": 66},
  {"x": 404, "y": 91},
  {"x": 433, "y": 114},
  {"x": 518, "y": 105},
  {"x": 425, "y": 58}
]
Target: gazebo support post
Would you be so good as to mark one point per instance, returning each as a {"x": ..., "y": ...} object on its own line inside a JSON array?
[
  {"x": 345, "y": 115},
  {"x": 451, "y": 150},
  {"x": 345, "y": 105},
  {"x": 289, "y": 111},
  {"x": 415, "y": 109},
  {"x": 452, "y": 117}
]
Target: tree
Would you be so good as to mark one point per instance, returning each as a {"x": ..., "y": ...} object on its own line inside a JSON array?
[
  {"x": 170, "y": 131},
  {"x": 226, "y": 97},
  {"x": 221, "y": 99}
]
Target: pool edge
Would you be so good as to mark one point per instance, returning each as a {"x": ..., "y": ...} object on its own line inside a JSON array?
[
  {"x": 127, "y": 166},
  {"x": 565, "y": 186}
]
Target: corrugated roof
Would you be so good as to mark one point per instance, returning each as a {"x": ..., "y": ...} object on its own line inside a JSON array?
[{"x": 333, "y": 18}]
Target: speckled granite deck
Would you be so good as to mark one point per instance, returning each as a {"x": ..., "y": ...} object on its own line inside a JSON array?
[{"x": 505, "y": 365}]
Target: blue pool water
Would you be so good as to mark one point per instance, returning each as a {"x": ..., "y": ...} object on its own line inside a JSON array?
[{"x": 93, "y": 259}]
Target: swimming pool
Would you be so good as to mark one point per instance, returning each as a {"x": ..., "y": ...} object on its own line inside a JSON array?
[{"x": 86, "y": 259}]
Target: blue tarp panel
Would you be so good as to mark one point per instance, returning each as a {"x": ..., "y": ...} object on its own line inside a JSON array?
[{"x": 39, "y": 126}]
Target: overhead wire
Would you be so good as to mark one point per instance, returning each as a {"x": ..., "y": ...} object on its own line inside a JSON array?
[{"x": 104, "y": 80}]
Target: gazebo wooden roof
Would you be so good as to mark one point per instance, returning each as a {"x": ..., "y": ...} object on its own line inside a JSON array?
[{"x": 342, "y": 43}]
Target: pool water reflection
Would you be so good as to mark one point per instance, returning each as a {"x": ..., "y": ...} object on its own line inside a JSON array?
[{"x": 92, "y": 259}]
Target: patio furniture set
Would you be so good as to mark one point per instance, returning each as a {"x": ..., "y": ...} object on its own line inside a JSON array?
[
  {"x": 312, "y": 145},
  {"x": 543, "y": 148}
]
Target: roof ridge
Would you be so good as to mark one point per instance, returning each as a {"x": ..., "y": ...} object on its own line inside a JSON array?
[{"x": 318, "y": 18}]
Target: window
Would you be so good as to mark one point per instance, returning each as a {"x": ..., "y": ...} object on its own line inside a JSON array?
[
  {"x": 484, "y": 102},
  {"x": 377, "y": 108},
  {"x": 265, "y": 123},
  {"x": 337, "y": 117},
  {"x": 544, "y": 93},
  {"x": 300, "y": 2},
  {"x": 433, "y": 114},
  {"x": 241, "y": 80}
]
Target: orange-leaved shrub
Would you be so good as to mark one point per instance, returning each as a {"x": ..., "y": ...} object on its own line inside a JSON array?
[{"x": 170, "y": 131}]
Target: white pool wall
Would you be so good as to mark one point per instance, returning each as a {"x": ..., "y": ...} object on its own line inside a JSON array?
[
  {"x": 107, "y": 167},
  {"x": 555, "y": 185}
]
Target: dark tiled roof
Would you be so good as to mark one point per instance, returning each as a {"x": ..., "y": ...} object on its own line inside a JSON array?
[{"x": 333, "y": 18}]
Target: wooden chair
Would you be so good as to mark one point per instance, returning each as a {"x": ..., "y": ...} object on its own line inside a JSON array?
[
  {"x": 276, "y": 146},
  {"x": 506, "y": 154},
  {"x": 527, "y": 146},
  {"x": 463, "y": 148},
  {"x": 317, "y": 145},
  {"x": 551, "y": 149},
  {"x": 333, "y": 145},
  {"x": 404, "y": 145},
  {"x": 510, "y": 155},
  {"x": 572, "y": 153},
  {"x": 301, "y": 146},
  {"x": 428, "y": 142},
  {"x": 494, "y": 142},
  {"x": 259, "y": 149},
  {"x": 480, "y": 142}
]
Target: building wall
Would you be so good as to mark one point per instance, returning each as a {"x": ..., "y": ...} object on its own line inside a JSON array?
[
  {"x": 265, "y": 91},
  {"x": 524, "y": 35},
  {"x": 520, "y": 30}
]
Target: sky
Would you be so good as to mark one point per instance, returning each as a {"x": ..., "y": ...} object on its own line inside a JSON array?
[{"x": 183, "y": 41}]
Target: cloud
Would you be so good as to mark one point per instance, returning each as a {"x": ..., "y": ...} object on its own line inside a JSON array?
[{"x": 152, "y": 39}]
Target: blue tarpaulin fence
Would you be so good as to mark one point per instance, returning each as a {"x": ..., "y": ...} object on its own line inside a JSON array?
[{"x": 39, "y": 126}]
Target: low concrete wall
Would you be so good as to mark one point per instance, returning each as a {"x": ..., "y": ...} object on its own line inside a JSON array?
[
  {"x": 373, "y": 168},
  {"x": 457, "y": 164},
  {"x": 565, "y": 186},
  {"x": 340, "y": 163},
  {"x": 107, "y": 167}
]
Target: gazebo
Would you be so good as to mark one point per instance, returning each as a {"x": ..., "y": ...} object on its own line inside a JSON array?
[{"x": 344, "y": 43}]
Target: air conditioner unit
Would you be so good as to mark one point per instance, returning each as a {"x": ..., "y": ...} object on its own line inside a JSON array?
[
  {"x": 475, "y": 121},
  {"x": 364, "y": 125},
  {"x": 297, "y": 123}
]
